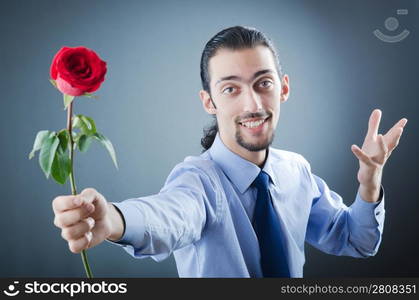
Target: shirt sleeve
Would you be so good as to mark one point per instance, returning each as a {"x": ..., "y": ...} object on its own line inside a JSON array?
[
  {"x": 157, "y": 225},
  {"x": 337, "y": 229}
]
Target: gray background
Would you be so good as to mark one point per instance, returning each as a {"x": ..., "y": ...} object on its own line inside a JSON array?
[{"x": 149, "y": 108}]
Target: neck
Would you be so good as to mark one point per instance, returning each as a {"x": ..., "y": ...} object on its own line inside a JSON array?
[{"x": 256, "y": 157}]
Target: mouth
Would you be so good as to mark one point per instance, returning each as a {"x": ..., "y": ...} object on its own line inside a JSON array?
[{"x": 254, "y": 125}]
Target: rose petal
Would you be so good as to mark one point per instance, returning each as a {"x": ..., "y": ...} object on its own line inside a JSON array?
[{"x": 66, "y": 88}]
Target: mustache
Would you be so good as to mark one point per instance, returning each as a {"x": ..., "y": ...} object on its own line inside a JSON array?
[{"x": 253, "y": 115}]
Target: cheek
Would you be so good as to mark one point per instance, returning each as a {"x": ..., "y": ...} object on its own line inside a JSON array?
[
  {"x": 271, "y": 104},
  {"x": 230, "y": 113},
  {"x": 225, "y": 119},
  {"x": 274, "y": 108},
  {"x": 277, "y": 113}
]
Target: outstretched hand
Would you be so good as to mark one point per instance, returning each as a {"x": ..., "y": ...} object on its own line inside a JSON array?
[{"x": 374, "y": 153}]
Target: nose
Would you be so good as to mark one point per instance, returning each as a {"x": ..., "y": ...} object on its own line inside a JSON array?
[{"x": 252, "y": 101}]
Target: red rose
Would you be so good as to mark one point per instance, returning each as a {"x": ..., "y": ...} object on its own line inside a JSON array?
[{"x": 77, "y": 70}]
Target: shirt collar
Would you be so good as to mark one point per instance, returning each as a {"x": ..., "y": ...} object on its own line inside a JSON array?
[{"x": 240, "y": 171}]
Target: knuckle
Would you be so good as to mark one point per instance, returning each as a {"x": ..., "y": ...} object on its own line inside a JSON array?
[
  {"x": 88, "y": 190},
  {"x": 76, "y": 246},
  {"x": 55, "y": 201},
  {"x": 69, "y": 233},
  {"x": 73, "y": 247},
  {"x": 64, "y": 235},
  {"x": 57, "y": 222}
]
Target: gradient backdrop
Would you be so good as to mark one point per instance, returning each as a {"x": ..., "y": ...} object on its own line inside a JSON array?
[{"x": 150, "y": 109}]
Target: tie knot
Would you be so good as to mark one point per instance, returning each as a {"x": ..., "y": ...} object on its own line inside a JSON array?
[{"x": 261, "y": 181}]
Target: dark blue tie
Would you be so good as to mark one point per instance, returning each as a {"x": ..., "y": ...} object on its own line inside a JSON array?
[{"x": 269, "y": 233}]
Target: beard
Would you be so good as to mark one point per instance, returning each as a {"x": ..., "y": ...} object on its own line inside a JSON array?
[{"x": 255, "y": 147}]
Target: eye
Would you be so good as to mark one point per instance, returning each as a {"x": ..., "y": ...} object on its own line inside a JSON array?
[
  {"x": 228, "y": 89},
  {"x": 266, "y": 83}
]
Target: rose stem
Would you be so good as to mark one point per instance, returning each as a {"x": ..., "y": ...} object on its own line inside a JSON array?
[{"x": 72, "y": 181}]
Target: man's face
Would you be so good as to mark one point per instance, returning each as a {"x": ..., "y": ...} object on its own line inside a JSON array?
[{"x": 246, "y": 90}]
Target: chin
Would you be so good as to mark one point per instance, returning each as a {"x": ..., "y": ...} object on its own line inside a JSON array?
[{"x": 254, "y": 146}]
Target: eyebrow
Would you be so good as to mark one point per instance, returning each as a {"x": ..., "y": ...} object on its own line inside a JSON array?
[{"x": 238, "y": 78}]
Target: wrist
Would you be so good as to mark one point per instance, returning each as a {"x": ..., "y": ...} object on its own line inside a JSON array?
[
  {"x": 117, "y": 223},
  {"x": 369, "y": 193}
]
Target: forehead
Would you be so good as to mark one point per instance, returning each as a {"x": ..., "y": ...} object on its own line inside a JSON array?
[{"x": 243, "y": 62}]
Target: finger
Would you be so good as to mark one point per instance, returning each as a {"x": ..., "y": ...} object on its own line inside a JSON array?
[
  {"x": 78, "y": 230},
  {"x": 393, "y": 144},
  {"x": 393, "y": 140},
  {"x": 374, "y": 123},
  {"x": 89, "y": 195},
  {"x": 76, "y": 246},
  {"x": 360, "y": 155},
  {"x": 400, "y": 124},
  {"x": 71, "y": 217},
  {"x": 63, "y": 203},
  {"x": 394, "y": 133},
  {"x": 403, "y": 122}
]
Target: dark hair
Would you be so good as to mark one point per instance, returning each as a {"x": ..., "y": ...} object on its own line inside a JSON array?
[{"x": 234, "y": 38}]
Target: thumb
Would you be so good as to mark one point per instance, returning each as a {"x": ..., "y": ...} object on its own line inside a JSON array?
[
  {"x": 90, "y": 196},
  {"x": 360, "y": 154}
]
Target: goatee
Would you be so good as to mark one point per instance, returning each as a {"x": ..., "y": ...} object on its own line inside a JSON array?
[{"x": 254, "y": 147}]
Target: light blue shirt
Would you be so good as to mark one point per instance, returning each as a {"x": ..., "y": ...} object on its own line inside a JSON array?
[{"x": 204, "y": 212}]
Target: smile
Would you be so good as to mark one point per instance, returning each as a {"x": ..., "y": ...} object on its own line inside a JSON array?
[{"x": 253, "y": 124}]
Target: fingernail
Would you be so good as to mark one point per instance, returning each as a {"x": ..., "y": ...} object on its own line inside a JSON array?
[
  {"x": 91, "y": 221},
  {"x": 89, "y": 235}
]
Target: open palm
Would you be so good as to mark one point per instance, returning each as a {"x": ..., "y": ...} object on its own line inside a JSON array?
[{"x": 376, "y": 149}]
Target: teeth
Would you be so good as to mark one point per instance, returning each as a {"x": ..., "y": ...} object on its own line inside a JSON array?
[{"x": 253, "y": 124}]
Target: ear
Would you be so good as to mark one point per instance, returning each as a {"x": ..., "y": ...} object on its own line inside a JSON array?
[
  {"x": 285, "y": 89},
  {"x": 207, "y": 103}
]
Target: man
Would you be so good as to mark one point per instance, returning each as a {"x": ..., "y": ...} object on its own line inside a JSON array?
[{"x": 241, "y": 208}]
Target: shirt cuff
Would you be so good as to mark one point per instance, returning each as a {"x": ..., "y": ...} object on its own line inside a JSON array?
[
  {"x": 368, "y": 213},
  {"x": 134, "y": 228}
]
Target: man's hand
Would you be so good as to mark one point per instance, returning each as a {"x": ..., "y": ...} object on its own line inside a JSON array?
[
  {"x": 86, "y": 219},
  {"x": 373, "y": 155}
]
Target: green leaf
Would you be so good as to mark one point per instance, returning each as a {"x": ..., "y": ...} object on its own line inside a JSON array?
[
  {"x": 85, "y": 123},
  {"x": 90, "y": 124},
  {"x": 84, "y": 142},
  {"x": 67, "y": 100},
  {"x": 89, "y": 95},
  {"x": 39, "y": 140},
  {"x": 53, "y": 82},
  {"x": 108, "y": 145},
  {"x": 76, "y": 122},
  {"x": 64, "y": 139},
  {"x": 61, "y": 167},
  {"x": 48, "y": 149}
]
